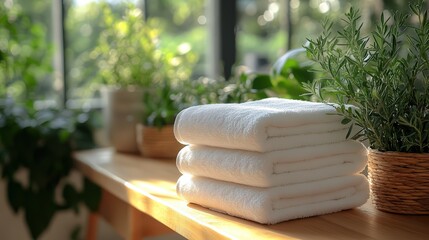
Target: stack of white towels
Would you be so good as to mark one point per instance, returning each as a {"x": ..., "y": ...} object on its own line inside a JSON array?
[{"x": 270, "y": 160}]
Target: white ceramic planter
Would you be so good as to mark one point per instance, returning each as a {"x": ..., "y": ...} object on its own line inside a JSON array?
[{"x": 122, "y": 110}]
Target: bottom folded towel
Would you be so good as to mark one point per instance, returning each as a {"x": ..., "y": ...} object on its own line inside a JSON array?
[{"x": 275, "y": 204}]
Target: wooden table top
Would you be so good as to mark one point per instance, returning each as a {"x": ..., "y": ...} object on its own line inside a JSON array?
[{"x": 149, "y": 185}]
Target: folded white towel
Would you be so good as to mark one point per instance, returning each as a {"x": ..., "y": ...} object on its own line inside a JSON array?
[
  {"x": 276, "y": 204},
  {"x": 274, "y": 168},
  {"x": 264, "y": 125}
]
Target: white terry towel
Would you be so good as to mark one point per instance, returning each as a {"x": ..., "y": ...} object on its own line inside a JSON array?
[
  {"x": 276, "y": 204},
  {"x": 274, "y": 168},
  {"x": 264, "y": 125}
]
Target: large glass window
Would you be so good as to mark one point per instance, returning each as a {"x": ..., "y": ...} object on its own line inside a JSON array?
[
  {"x": 261, "y": 32},
  {"x": 265, "y": 29},
  {"x": 180, "y": 24},
  {"x": 83, "y": 25},
  {"x": 182, "y": 27}
]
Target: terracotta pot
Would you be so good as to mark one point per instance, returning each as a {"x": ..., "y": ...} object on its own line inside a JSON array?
[
  {"x": 154, "y": 142},
  {"x": 399, "y": 181}
]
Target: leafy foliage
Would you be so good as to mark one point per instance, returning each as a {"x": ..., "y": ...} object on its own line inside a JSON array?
[
  {"x": 35, "y": 144},
  {"x": 243, "y": 87},
  {"x": 161, "y": 105},
  {"x": 290, "y": 72},
  {"x": 25, "y": 55},
  {"x": 128, "y": 54},
  {"x": 126, "y": 50},
  {"x": 385, "y": 74},
  {"x": 42, "y": 143}
]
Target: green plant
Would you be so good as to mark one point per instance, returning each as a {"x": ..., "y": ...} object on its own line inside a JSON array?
[
  {"x": 159, "y": 107},
  {"x": 162, "y": 104},
  {"x": 385, "y": 75},
  {"x": 25, "y": 56},
  {"x": 126, "y": 52},
  {"x": 285, "y": 80},
  {"x": 35, "y": 145},
  {"x": 35, "y": 159},
  {"x": 243, "y": 87},
  {"x": 290, "y": 72}
]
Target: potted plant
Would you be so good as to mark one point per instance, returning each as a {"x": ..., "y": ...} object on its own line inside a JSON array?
[
  {"x": 386, "y": 76},
  {"x": 155, "y": 136},
  {"x": 39, "y": 145},
  {"x": 128, "y": 61},
  {"x": 35, "y": 144}
]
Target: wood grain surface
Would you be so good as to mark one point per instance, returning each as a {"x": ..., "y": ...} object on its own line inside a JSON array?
[{"x": 148, "y": 185}]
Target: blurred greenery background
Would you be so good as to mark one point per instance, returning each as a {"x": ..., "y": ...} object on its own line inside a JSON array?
[{"x": 262, "y": 34}]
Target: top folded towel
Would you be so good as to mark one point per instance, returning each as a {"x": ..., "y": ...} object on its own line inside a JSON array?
[{"x": 264, "y": 125}]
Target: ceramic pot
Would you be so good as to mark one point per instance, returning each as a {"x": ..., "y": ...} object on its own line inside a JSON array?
[{"x": 122, "y": 109}]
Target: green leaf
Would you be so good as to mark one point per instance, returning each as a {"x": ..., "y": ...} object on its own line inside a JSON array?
[
  {"x": 91, "y": 195},
  {"x": 261, "y": 81},
  {"x": 302, "y": 74},
  {"x": 349, "y": 131},
  {"x": 15, "y": 194},
  {"x": 71, "y": 197},
  {"x": 39, "y": 210},
  {"x": 292, "y": 88},
  {"x": 261, "y": 95},
  {"x": 243, "y": 78},
  {"x": 345, "y": 121},
  {"x": 291, "y": 63},
  {"x": 76, "y": 232}
]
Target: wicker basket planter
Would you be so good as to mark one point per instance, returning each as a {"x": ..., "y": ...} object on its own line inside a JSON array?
[
  {"x": 156, "y": 142},
  {"x": 399, "y": 181}
]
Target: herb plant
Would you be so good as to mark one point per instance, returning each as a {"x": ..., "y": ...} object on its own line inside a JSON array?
[{"x": 385, "y": 75}]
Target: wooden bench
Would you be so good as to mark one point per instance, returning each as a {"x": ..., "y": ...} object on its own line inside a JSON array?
[{"x": 139, "y": 199}]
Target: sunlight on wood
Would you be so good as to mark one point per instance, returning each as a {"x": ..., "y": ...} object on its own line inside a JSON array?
[{"x": 149, "y": 187}]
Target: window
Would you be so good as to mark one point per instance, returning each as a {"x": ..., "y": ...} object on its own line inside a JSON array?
[
  {"x": 183, "y": 27},
  {"x": 264, "y": 30},
  {"x": 181, "y": 24},
  {"x": 83, "y": 27},
  {"x": 261, "y": 32}
]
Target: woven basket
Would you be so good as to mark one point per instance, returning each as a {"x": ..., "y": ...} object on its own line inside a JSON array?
[
  {"x": 399, "y": 181},
  {"x": 156, "y": 142}
]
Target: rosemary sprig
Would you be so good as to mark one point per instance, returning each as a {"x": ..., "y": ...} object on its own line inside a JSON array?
[{"x": 384, "y": 74}]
